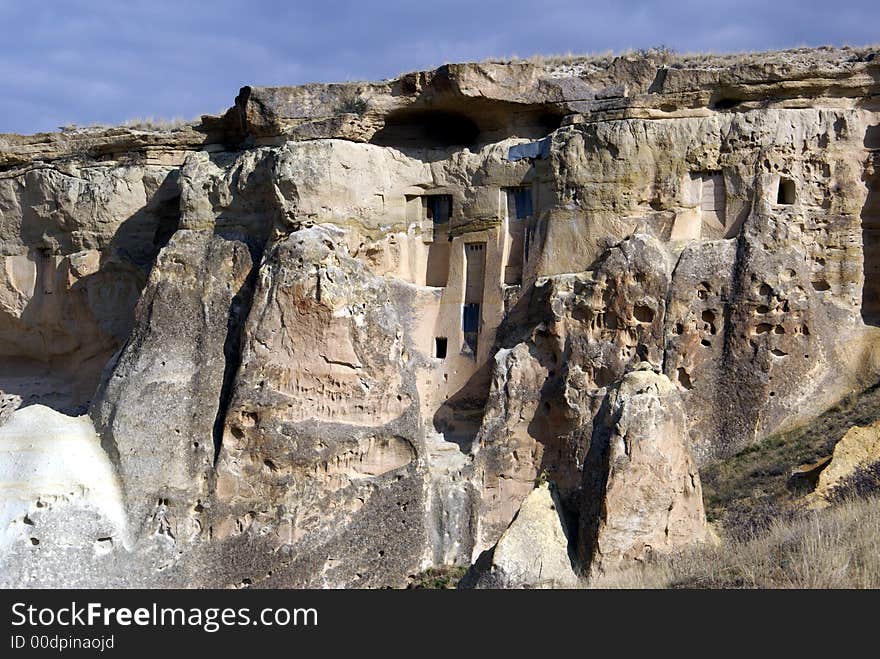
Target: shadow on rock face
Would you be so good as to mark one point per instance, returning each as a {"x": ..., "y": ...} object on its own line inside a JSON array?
[{"x": 72, "y": 310}]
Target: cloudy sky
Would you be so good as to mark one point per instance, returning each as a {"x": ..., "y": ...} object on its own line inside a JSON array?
[{"x": 107, "y": 61}]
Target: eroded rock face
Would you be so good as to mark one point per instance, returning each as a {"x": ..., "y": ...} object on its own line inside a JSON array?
[
  {"x": 642, "y": 491},
  {"x": 509, "y": 458},
  {"x": 546, "y": 391},
  {"x": 534, "y": 550},
  {"x": 76, "y": 246},
  {"x": 858, "y": 449},
  {"x": 174, "y": 358},
  {"x": 324, "y": 416},
  {"x": 336, "y": 336},
  {"x": 773, "y": 318}
]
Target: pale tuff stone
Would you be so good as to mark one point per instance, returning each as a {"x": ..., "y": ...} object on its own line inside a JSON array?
[
  {"x": 642, "y": 491},
  {"x": 49, "y": 460},
  {"x": 334, "y": 337},
  {"x": 534, "y": 550},
  {"x": 859, "y": 448}
]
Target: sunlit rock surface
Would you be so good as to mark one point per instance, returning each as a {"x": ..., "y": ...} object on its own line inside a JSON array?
[{"x": 335, "y": 336}]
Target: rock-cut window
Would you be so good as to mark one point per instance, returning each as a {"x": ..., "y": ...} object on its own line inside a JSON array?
[
  {"x": 439, "y": 208},
  {"x": 519, "y": 202},
  {"x": 786, "y": 193},
  {"x": 470, "y": 324}
]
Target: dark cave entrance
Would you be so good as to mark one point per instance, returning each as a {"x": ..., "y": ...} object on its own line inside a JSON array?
[
  {"x": 786, "y": 193},
  {"x": 427, "y": 128}
]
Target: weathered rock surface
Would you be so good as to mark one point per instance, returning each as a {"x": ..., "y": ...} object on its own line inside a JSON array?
[
  {"x": 76, "y": 245},
  {"x": 534, "y": 550},
  {"x": 591, "y": 329},
  {"x": 335, "y": 336},
  {"x": 59, "y": 493},
  {"x": 175, "y": 358},
  {"x": 641, "y": 486},
  {"x": 323, "y": 416},
  {"x": 858, "y": 448}
]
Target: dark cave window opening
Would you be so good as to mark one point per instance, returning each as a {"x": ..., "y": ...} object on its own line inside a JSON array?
[
  {"x": 420, "y": 128},
  {"x": 785, "y": 194},
  {"x": 519, "y": 202},
  {"x": 436, "y": 215},
  {"x": 519, "y": 209},
  {"x": 440, "y": 343},
  {"x": 470, "y": 324},
  {"x": 438, "y": 208}
]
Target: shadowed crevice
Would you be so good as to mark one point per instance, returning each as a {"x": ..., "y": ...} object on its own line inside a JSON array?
[{"x": 239, "y": 311}]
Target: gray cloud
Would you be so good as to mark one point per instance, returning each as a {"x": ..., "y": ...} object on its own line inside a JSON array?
[{"x": 105, "y": 61}]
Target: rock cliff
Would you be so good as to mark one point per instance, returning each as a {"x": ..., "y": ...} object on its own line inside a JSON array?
[{"x": 339, "y": 334}]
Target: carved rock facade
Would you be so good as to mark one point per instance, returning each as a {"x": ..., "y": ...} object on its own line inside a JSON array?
[{"x": 328, "y": 348}]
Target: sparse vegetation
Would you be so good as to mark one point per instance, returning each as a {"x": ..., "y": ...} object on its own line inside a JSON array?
[
  {"x": 768, "y": 538},
  {"x": 591, "y": 63},
  {"x": 864, "y": 482},
  {"x": 438, "y": 578},
  {"x": 831, "y": 548},
  {"x": 72, "y": 127},
  {"x": 159, "y": 124},
  {"x": 745, "y": 493}
]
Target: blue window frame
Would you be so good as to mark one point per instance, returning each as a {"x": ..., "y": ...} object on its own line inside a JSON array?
[
  {"x": 522, "y": 202},
  {"x": 470, "y": 323},
  {"x": 439, "y": 208}
]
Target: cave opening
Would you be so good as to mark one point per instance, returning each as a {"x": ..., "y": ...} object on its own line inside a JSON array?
[
  {"x": 518, "y": 201},
  {"x": 437, "y": 267},
  {"x": 436, "y": 211},
  {"x": 712, "y": 196},
  {"x": 438, "y": 208},
  {"x": 427, "y": 128},
  {"x": 470, "y": 324},
  {"x": 475, "y": 276},
  {"x": 786, "y": 192}
]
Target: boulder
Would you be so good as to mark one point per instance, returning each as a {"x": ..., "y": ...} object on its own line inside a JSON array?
[
  {"x": 534, "y": 550},
  {"x": 858, "y": 449}
]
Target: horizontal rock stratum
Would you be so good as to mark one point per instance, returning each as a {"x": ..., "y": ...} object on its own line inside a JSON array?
[{"x": 338, "y": 335}]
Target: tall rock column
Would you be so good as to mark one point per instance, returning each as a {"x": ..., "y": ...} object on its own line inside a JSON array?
[
  {"x": 156, "y": 410},
  {"x": 159, "y": 403},
  {"x": 642, "y": 492}
]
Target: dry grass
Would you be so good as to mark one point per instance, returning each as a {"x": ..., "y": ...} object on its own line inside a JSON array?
[
  {"x": 769, "y": 540},
  {"x": 154, "y": 124},
  {"x": 587, "y": 64},
  {"x": 158, "y": 124},
  {"x": 590, "y": 63},
  {"x": 437, "y": 578},
  {"x": 832, "y": 548},
  {"x": 745, "y": 493},
  {"x": 600, "y": 60}
]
